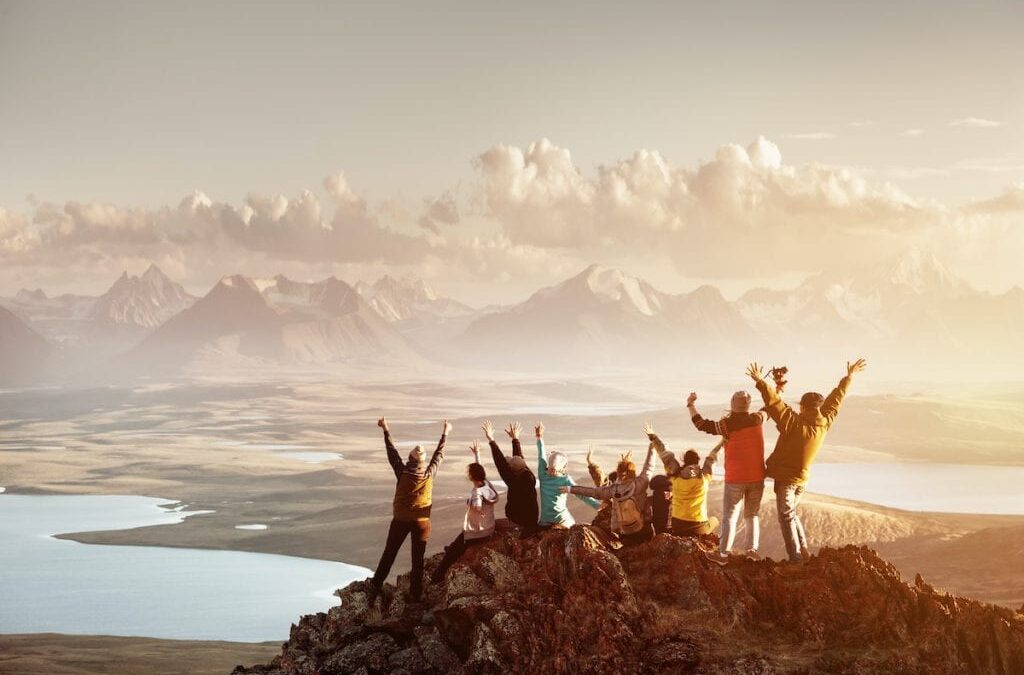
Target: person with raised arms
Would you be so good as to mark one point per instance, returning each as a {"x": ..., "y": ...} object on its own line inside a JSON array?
[
  {"x": 521, "y": 502},
  {"x": 553, "y": 472},
  {"x": 410, "y": 509},
  {"x": 801, "y": 435},
  {"x": 689, "y": 488}
]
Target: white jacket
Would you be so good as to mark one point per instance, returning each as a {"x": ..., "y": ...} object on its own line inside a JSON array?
[{"x": 479, "y": 521}]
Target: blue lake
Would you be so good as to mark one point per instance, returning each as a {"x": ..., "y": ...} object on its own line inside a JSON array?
[{"x": 60, "y": 586}]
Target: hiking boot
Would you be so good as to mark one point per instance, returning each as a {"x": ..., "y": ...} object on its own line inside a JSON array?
[
  {"x": 752, "y": 554},
  {"x": 805, "y": 554},
  {"x": 720, "y": 559},
  {"x": 372, "y": 596}
]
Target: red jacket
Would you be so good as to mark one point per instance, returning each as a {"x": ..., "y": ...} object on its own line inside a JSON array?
[{"x": 744, "y": 444}]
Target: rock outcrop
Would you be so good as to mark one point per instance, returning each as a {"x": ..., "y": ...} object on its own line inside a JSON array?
[{"x": 561, "y": 602}]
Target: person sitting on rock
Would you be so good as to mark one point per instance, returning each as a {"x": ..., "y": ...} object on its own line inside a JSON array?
[
  {"x": 553, "y": 472},
  {"x": 801, "y": 435},
  {"x": 626, "y": 499},
  {"x": 521, "y": 501},
  {"x": 478, "y": 523},
  {"x": 661, "y": 503},
  {"x": 410, "y": 509},
  {"x": 742, "y": 433},
  {"x": 689, "y": 489}
]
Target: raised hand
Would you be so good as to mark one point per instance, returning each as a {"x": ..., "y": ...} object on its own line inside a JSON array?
[
  {"x": 855, "y": 367},
  {"x": 488, "y": 431},
  {"x": 513, "y": 430},
  {"x": 628, "y": 456},
  {"x": 755, "y": 372},
  {"x": 691, "y": 399},
  {"x": 447, "y": 427},
  {"x": 539, "y": 430},
  {"x": 475, "y": 449},
  {"x": 590, "y": 454},
  {"x": 382, "y": 423},
  {"x": 648, "y": 430}
]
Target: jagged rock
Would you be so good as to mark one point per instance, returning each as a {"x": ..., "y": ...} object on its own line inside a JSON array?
[{"x": 562, "y": 602}]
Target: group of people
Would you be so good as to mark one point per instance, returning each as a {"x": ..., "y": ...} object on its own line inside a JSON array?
[{"x": 627, "y": 514}]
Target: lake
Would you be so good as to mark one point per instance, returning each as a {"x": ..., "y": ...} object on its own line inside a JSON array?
[{"x": 60, "y": 586}]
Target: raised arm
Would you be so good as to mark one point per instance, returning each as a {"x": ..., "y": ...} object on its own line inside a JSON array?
[
  {"x": 709, "y": 461},
  {"x": 500, "y": 463},
  {"x": 394, "y": 459},
  {"x": 777, "y": 409},
  {"x": 647, "y": 472},
  {"x": 594, "y": 470},
  {"x": 438, "y": 456},
  {"x": 583, "y": 498},
  {"x": 830, "y": 408},
  {"x": 542, "y": 462},
  {"x": 667, "y": 458},
  {"x": 513, "y": 433},
  {"x": 707, "y": 426},
  {"x": 601, "y": 492}
]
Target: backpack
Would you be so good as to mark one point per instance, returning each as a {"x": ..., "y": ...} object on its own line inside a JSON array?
[{"x": 627, "y": 514}]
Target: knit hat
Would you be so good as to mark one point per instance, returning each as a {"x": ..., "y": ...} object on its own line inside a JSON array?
[
  {"x": 740, "y": 402},
  {"x": 812, "y": 399}
]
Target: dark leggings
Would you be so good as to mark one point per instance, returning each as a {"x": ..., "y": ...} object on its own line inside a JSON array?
[
  {"x": 452, "y": 552},
  {"x": 399, "y": 530}
]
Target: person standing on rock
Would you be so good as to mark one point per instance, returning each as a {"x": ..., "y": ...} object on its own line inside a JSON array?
[
  {"x": 743, "y": 434},
  {"x": 626, "y": 499},
  {"x": 689, "y": 489},
  {"x": 478, "y": 523},
  {"x": 410, "y": 509},
  {"x": 553, "y": 472},
  {"x": 521, "y": 502},
  {"x": 801, "y": 435}
]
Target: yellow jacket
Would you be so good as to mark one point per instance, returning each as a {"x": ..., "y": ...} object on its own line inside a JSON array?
[{"x": 689, "y": 484}]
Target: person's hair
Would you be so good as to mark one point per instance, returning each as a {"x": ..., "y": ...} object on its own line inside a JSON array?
[
  {"x": 415, "y": 452},
  {"x": 626, "y": 470},
  {"x": 613, "y": 476},
  {"x": 558, "y": 463},
  {"x": 476, "y": 472},
  {"x": 691, "y": 457},
  {"x": 812, "y": 399}
]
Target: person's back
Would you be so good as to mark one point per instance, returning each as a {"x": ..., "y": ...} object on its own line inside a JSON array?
[
  {"x": 661, "y": 503},
  {"x": 626, "y": 498},
  {"x": 521, "y": 501},
  {"x": 689, "y": 488},
  {"x": 554, "y": 511},
  {"x": 478, "y": 522}
]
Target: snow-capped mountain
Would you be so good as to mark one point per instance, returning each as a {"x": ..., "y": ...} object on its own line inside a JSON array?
[
  {"x": 23, "y": 352},
  {"x": 144, "y": 301},
  {"x": 285, "y": 321},
  {"x": 410, "y": 301}
]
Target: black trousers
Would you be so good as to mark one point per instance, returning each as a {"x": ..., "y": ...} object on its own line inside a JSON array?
[
  {"x": 452, "y": 552},
  {"x": 397, "y": 532}
]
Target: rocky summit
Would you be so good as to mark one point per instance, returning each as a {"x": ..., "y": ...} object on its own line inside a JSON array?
[{"x": 563, "y": 602}]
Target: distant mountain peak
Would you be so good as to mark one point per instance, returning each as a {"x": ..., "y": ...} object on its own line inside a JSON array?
[
  {"x": 409, "y": 299},
  {"x": 144, "y": 301}
]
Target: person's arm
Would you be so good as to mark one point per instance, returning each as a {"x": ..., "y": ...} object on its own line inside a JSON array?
[
  {"x": 438, "y": 456},
  {"x": 709, "y": 461},
  {"x": 583, "y": 498},
  {"x": 707, "y": 426},
  {"x": 476, "y": 500},
  {"x": 830, "y": 408},
  {"x": 594, "y": 470},
  {"x": 513, "y": 433},
  {"x": 600, "y": 492},
  {"x": 542, "y": 462},
  {"x": 500, "y": 463},
  {"x": 774, "y": 406},
  {"x": 647, "y": 472},
  {"x": 394, "y": 459},
  {"x": 667, "y": 458}
]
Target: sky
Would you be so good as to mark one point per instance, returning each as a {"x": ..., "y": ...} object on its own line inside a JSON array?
[{"x": 492, "y": 149}]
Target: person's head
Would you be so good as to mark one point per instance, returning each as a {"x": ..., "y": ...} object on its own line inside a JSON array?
[
  {"x": 691, "y": 457},
  {"x": 518, "y": 464},
  {"x": 811, "y": 402},
  {"x": 558, "y": 463},
  {"x": 613, "y": 477},
  {"x": 740, "y": 402},
  {"x": 625, "y": 471},
  {"x": 476, "y": 473},
  {"x": 416, "y": 455}
]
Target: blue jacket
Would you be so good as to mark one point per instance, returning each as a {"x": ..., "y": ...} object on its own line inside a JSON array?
[{"x": 553, "y": 507}]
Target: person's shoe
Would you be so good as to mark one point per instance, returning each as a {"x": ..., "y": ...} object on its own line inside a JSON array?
[
  {"x": 720, "y": 559},
  {"x": 752, "y": 554},
  {"x": 372, "y": 596},
  {"x": 805, "y": 554}
]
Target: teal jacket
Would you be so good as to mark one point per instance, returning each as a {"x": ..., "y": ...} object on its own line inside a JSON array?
[{"x": 553, "y": 507}]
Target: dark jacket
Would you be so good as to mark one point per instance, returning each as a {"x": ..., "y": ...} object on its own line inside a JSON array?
[
  {"x": 414, "y": 492},
  {"x": 800, "y": 435},
  {"x": 661, "y": 503},
  {"x": 521, "y": 506}
]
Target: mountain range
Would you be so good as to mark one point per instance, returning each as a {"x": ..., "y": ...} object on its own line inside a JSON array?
[{"x": 601, "y": 318}]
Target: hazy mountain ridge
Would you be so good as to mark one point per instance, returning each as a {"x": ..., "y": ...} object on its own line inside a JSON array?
[{"x": 23, "y": 352}]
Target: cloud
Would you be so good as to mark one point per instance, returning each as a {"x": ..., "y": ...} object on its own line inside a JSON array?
[
  {"x": 860, "y": 123},
  {"x": 976, "y": 123},
  {"x": 1010, "y": 201},
  {"x": 813, "y": 136},
  {"x": 913, "y": 133},
  {"x": 437, "y": 212}
]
